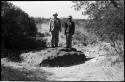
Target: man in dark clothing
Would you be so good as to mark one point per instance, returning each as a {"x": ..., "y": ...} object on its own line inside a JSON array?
[
  {"x": 55, "y": 27},
  {"x": 69, "y": 31}
]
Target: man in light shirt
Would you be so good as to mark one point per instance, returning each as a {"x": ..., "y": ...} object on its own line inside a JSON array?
[{"x": 55, "y": 27}]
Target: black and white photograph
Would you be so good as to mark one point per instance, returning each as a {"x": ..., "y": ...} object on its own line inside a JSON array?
[{"x": 62, "y": 40}]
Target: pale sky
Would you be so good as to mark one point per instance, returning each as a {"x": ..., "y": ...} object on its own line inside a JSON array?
[{"x": 47, "y": 8}]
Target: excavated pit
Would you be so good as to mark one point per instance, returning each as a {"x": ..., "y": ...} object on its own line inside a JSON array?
[{"x": 65, "y": 58}]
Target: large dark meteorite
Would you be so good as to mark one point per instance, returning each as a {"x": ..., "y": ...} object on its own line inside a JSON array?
[{"x": 65, "y": 58}]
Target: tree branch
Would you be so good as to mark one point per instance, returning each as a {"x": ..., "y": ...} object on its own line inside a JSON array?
[{"x": 114, "y": 3}]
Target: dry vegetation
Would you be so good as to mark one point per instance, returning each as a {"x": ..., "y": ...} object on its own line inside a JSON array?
[{"x": 96, "y": 38}]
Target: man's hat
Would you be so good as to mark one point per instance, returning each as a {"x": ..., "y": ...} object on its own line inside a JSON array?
[
  {"x": 69, "y": 16},
  {"x": 55, "y": 14}
]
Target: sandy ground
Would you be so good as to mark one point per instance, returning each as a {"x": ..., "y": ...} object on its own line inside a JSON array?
[{"x": 89, "y": 71}]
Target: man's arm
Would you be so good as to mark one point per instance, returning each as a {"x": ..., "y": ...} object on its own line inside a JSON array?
[
  {"x": 73, "y": 28},
  {"x": 65, "y": 27},
  {"x": 59, "y": 25},
  {"x": 50, "y": 25}
]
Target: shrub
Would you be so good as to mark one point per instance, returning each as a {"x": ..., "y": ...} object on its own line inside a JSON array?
[
  {"x": 18, "y": 29},
  {"x": 106, "y": 22},
  {"x": 84, "y": 39},
  {"x": 47, "y": 34}
]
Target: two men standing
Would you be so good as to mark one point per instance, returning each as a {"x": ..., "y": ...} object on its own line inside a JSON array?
[{"x": 55, "y": 27}]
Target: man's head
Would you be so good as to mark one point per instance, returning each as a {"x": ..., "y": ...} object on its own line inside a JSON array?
[
  {"x": 69, "y": 18},
  {"x": 55, "y": 15}
]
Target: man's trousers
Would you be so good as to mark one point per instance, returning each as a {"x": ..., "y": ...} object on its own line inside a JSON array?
[
  {"x": 55, "y": 38},
  {"x": 68, "y": 40}
]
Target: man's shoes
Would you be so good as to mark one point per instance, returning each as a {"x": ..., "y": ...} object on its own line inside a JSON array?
[
  {"x": 56, "y": 46},
  {"x": 53, "y": 47},
  {"x": 68, "y": 48}
]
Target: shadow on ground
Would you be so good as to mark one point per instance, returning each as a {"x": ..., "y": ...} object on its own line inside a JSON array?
[
  {"x": 14, "y": 55},
  {"x": 11, "y": 74},
  {"x": 69, "y": 59}
]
